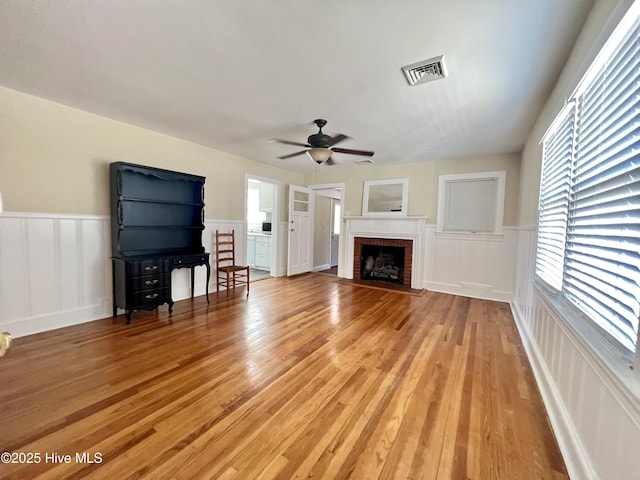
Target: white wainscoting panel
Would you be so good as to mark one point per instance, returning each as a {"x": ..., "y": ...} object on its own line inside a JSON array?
[
  {"x": 596, "y": 421},
  {"x": 181, "y": 279},
  {"x": 55, "y": 270},
  {"x": 472, "y": 265}
]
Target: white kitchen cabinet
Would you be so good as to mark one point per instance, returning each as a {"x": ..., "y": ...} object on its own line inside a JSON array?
[
  {"x": 251, "y": 250},
  {"x": 266, "y": 197},
  {"x": 262, "y": 260},
  {"x": 259, "y": 251}
]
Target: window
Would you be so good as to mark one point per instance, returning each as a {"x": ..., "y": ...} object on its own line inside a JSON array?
[
  {"x": 588, "y": 248},
  {"x": 471, "y": 202},
  {"x": 554, "y": 200}
]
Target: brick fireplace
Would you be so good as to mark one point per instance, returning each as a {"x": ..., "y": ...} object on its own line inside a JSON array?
[
  {"x": 404, "y": 232},
  {"x": 383, "y": 259}
]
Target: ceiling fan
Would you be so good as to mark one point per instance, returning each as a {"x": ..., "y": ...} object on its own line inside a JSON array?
[{"x": 320, "y": 147}]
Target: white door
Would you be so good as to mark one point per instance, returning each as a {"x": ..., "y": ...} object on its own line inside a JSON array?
[{"x": 300, "y": 256}]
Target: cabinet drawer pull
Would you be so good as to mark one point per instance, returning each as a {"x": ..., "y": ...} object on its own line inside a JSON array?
[
  {"x": 150, "y": 269},
  {"x": 151, "y": 282},
  {"x": 150, "y": 296}
]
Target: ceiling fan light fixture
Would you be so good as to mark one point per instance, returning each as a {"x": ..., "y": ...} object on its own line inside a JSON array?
[{"x": 319, "y": 155}]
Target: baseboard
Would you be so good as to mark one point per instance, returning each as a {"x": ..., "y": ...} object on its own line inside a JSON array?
[
  {"x": 53, "y": 321},
  {"x": 319, "y": 268},
  {"x": 483, "y": 292},
  {"x": 575, "y": 458}
]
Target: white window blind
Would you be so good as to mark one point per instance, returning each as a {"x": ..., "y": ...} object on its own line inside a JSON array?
[
  {"x": 554, "y": 199},
  {"x": 591, "y": 178},
  {"x": 471, "y": 202}
]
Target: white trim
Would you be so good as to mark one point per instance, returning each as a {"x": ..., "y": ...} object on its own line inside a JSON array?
[
  {"x": 613, "y": 40},
  {"x": 60, "y": 319},
  {"x": 403, "y": 228},
  {"x": 341, "y": 238},
  {"x": 66, "y": 216},
  {"x": 566, "y": 109},
  {"x": 574, "y": 455},
  {"x": 276, "y": 236},
  {"x": 319, "y": 268},
  {"x": 66, "y": 260},
  {"x": 468, "y": 289},
  {"x": 404, "y": 206},
  {"x": 474, "y": 237},
  {"x": 612, "y": 369},
  {"x": 443, "y": 198}
]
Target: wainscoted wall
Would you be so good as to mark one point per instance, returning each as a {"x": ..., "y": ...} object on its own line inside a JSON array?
[
  {"x": 55, "y": 270},
  {"x": 594, "y": 415},
  {"x": 473, "y": 265}
]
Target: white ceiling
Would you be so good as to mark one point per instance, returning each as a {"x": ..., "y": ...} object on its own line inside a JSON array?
[{"x": 232, "y": 74}]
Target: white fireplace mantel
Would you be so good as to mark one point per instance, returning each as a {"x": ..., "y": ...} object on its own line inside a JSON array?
[{"x": 404, "y": 228}]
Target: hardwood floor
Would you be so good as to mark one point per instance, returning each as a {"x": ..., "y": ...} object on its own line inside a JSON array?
[{"x": 308, "y": 377}]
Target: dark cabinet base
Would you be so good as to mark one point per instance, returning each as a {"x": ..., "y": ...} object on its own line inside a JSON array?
[{"x": 144, "y": 283}]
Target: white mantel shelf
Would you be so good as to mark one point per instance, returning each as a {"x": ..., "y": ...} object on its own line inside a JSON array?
[{"x": 392, "y": 227}]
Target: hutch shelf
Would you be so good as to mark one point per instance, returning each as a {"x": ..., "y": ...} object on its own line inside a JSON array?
[{"x": 157, "y": 220}]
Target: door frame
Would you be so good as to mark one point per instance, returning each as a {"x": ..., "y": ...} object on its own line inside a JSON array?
[
  {"x": 341, "y": 246},
  {"x": 275, "y": 219}
]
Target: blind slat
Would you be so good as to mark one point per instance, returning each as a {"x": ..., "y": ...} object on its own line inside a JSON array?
[{"x": 589, "y": 219}]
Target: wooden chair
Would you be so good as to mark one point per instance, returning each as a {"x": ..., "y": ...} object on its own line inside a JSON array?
[{"x": 228, "y": 274}]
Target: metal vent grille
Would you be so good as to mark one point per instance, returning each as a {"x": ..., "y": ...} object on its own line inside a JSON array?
[
  {"x": 425, "y": 71},
  {"x": 364, "y": 161}
]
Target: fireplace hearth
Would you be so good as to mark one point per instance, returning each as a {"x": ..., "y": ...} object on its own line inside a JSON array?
[{"x": 383, "y": 260}]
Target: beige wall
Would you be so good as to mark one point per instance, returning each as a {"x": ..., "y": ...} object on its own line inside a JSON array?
[
  {"x": 55, "y": 159},
  {"x": 597, "y": 28},
  {"x": 423, "y": 181}
]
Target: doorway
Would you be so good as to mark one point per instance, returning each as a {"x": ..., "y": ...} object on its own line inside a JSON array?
[
  {"x": 261, "y": 212},
  {"x": 327, "y": 228}
]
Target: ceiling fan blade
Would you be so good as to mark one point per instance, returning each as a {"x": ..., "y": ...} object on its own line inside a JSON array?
[
  {"x": 289, "y": 142},
  {"x": 292, "y": 154},
  {"x": 338, "y": 138},
  {"x": 364, "y": 153}
]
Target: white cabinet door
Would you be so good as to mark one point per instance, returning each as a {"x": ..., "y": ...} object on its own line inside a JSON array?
[
  {"x": 266, "y": 197},
  {"x": 251, "y": 250},
  {"x": 263, "y": 253}
]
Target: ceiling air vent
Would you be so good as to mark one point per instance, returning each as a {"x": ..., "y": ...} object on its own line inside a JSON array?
[
  {"x": 425, "y": 71},
  {"x": 364, "y": 161}
]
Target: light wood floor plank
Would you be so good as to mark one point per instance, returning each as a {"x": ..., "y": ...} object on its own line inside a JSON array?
[{"x": 308, "y": 377}]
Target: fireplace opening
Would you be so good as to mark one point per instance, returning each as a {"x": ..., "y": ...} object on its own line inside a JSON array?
[
  {"x": 387, "y": 260},
  {"x": 383, "y": 263}
]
